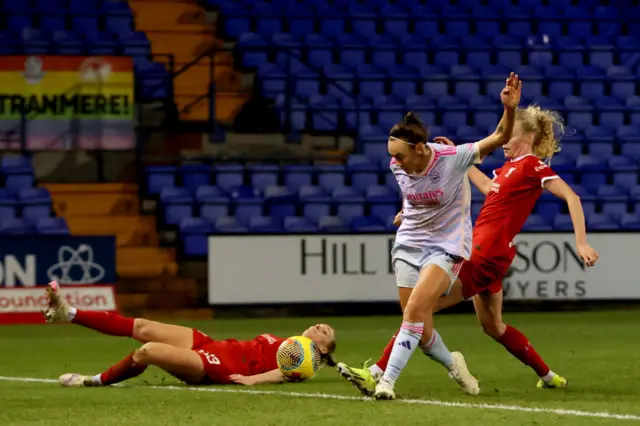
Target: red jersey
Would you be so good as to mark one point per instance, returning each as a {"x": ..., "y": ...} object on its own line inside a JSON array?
[
  {"x": 265, "y": 348},
  {"x": 515, "y": 188}
]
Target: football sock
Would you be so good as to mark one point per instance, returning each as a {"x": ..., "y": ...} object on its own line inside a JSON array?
[
  {"x": 104, "y": 322},
  {"x": 437, "y": 351},
  {"x": 123, "y": 370},
  {"x": 406, "y": 343},
  {"x": 381, "y": 364},
  {"x": 519, "y": 346}
]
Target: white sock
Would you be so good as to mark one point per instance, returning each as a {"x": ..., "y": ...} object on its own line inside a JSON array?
[
  {"x": 71, "y": 314},
  {"x": 547, "y": 377},
  {"x": 438, "y": 351},
  {"x": 375, "y": 370},
  {"x": 97, "y": 380},
  {"x": 407, "y": 341}
]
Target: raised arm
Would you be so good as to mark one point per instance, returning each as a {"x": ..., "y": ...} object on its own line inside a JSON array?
[
  {"x": 510, "y": 98},
  {"x": 560, "y": 189}
]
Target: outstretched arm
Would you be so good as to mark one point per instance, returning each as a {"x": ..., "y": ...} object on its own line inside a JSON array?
[
  {"x": 560, "y": 189},
  {"x": 510, "y": 97},
  {"x": 273, "y": 376}
]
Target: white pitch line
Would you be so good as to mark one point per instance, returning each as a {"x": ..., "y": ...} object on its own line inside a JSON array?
[{"x": 558, "y": 411}]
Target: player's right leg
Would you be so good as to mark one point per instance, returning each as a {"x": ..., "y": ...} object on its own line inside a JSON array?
[
  {"x": 488, "y": 306},
  {"x": 141, "y": 329},
  {"x": 185, "y": 364},
  {"x": 366, "y": 378}
]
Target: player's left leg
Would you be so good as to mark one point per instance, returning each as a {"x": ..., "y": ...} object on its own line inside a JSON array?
[
  {"x": 182, "y": 363},
  {"x": 488, "y": 308},
  {"x": 417, "y": 325},
  {"x": 141, "y": 329}
]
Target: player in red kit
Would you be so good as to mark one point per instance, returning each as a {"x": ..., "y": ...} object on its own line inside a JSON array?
[
  {"x": 185, "y": 353},
  {"x": 511, "y": 196}
]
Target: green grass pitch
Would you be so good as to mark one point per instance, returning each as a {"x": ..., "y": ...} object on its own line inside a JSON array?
[{"x": 596, "y": 351}]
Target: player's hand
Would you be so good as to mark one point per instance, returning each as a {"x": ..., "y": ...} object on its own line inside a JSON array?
[
  {"x": 512, "y": 91},
  {"x": 242, "y": 380},
  {"x": 397, "y": 221},
  {"x": 588, "y": 255},
  {"x": 444, "y": 141}
]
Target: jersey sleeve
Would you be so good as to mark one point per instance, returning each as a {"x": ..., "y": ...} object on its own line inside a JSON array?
[
  {"x": 467, "y": 155},
  {"x": 540, "y": 172}
]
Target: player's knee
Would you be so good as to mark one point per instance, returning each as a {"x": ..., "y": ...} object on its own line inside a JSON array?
[
  {"x": 494, "y": 329},
  {"x": 414, "y": 312},
  {"x": 145, "y": 353},
  {"x": 142, "y": 329}
]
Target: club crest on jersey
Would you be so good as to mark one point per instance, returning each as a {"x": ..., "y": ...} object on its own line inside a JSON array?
[
  {"x": 511, "y": 170},
  {"x": 435, "y": 177}
]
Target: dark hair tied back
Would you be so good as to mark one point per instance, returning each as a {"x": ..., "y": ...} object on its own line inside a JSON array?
[
  {"x": 412, "y": 119},
  {"x": 328, "y": 360},
  {"x": 410, "y": 130}
]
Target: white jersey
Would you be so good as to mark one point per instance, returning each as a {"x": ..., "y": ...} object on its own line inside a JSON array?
[{"x": 436, "y": 203}]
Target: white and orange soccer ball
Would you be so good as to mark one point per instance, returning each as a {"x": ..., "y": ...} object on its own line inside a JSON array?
[{"x": 298, "y": 358}]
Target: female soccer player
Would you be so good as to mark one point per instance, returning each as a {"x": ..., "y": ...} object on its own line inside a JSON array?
[
  {"x": 435, "y": 235},
  {"x": 511, "y": 196},
  {"x": 185, "y": 353}
]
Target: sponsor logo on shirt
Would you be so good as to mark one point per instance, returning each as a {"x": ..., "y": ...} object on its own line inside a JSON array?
[{"x": 428, "y": 198}]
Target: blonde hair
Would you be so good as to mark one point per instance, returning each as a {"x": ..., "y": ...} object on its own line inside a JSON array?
[{"x": 548, "y": 127}]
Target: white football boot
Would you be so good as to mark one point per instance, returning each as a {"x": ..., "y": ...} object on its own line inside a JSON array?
[
  {"x": 460, "y": 373},
  {"x": 384, "y": 391},
  {"x": 58, "y": 310},
  {"x": 72, "y": 380}
]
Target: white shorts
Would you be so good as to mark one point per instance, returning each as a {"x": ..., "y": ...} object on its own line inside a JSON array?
[{"x": 409, "y": 261}]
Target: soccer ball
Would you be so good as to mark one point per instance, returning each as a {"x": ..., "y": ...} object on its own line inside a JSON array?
[{"x": 298, "y": 358}]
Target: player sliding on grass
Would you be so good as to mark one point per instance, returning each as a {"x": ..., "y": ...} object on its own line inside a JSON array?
[
  {"x": 185, "y": 353},
  {"x": 434, "y": 237},
  {"x": 511, "y": 195}
]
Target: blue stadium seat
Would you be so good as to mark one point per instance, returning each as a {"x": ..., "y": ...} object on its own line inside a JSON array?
[
  {"x": 15, "y": 226},
  {"x": 299, "y": 225},
  {"x": 263, "y": 176},
  {"x": 601, "y": 222},
  {"x": 630, "y": 221},
  {"x": 264, "y": 225},
  {"x": 610, "y": 193},
  {"x": 177, "y": 203},
  {"x": 228, "y": 176},
  {"x": 537, "y": 223},
  {"x": 332, "y": 224},
  {"x": 195, "y": 226},
  {"x": 330, "y": 176},
  {"x": 367, "y": 224},
  {"x": 51, "y": 226},
  {"x": 36, "y": 203},
  {"x": 229, "y": 225},
  {"x": 194, "y": 176},
  {"x": 615, "y": 210},
  {"x": 159, "y": 177}
]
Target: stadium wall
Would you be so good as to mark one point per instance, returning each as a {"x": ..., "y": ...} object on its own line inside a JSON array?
[{"x": 322, "y": 270}]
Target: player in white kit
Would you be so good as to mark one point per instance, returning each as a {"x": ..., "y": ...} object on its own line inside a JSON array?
[{"x": 433, "y": 240}]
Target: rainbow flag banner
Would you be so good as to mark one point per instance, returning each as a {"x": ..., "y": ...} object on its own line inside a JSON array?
[{"x": 69, "y": 102}]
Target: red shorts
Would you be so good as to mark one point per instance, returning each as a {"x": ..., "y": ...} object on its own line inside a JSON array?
[
  {"x": 481, "y": 277},
  {"x": 220, "y": 359}
]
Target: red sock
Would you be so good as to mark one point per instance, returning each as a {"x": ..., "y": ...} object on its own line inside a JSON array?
[
  {"x": 386, "y": 354},
  {"x": 123, "y": 370},
  {"x": 519, "y": 346},
  {"x": 105, "y": 322}
]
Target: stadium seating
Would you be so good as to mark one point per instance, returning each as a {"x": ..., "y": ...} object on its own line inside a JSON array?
[
  {"x": 25, "y": 209},
  {"x": 357, "y": 67},
  {"x": 83, "y": 28}
]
